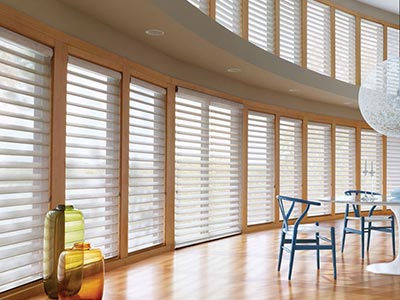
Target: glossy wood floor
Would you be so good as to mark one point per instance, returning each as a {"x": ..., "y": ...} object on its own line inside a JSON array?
[{"x": 244, "y": 267}]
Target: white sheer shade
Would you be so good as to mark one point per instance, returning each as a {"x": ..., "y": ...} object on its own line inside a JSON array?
[
  {"x": 25, "y": 81},
  {"x": 207, "y": 167},
  {"x": 260, "y": 182},
  {"x": 262, "y": 24},
  {"x": 146, "y": 165},
  {"x": 319, "y": 166},
  {"x": 92, "y": 152},
  {"x": 290, "y": 30},
  {"x": 229, "y": 14},
  {"x": 371, "y": 160},
  {"x": 318, "y": 37},
  {"x": 345, "y": 45},
  {"x": 290, "y": 159},
  {"x": 371, "y": 46},
  {"x": 393, "y": 164},
  {"x": 345, "y": 162},
  {"x": 393, "y": 42}
]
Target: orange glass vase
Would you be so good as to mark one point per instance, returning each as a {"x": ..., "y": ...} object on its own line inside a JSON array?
[{"x": 79, "y": 279}]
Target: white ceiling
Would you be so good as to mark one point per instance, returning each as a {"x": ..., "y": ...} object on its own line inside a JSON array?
[{"x": 388, "y": 5}]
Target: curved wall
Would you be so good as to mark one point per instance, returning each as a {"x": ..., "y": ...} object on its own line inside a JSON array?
[{"x": 69, "y": 20}]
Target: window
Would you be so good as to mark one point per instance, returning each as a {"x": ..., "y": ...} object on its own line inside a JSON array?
[
  {"x": 371, "y": 46},
  {"x": 207, "y": 167},
  {"x": 371, "y": 162},
  {"x": 25, "y": 80},
  {"x": 229, "y": 15},
  {"x": 393, "y": 42},
  {"x": 92, "y": 151},
  {"x": 345, "y": 162},
  {"x": 319, "y": 166},
  {"x": 200, "y": 4},
  {"x": 290, "y": 30},
  {"x": 345, "y": 44},
  {"x": 146, "y": 165},
  {"x": 290, "y": 160},
  {"x": 262, "y": 23},
  {"x": 260, "y": 191},
  {"x": 393, "y": 164},
  {"x": 318, "y": 37}
]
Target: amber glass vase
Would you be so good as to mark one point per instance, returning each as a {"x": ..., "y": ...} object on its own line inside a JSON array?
[
  {"x": 76, "y": 282},
  {"x": 63, "y": 227}
]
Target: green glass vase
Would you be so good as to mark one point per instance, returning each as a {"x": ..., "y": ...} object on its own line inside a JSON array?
[
  {"x": 63, "y": 227},
  {"x": 77, "y": 281}
]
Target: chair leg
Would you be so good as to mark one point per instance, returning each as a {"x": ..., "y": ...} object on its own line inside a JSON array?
[
  {"x": 344, "y": 234},
  {"x": 369, "y": 235},
  {"x": 281, "y": 250},
  {"x": 393, "y": 237},
  {"x": 362, "y": 238},
  {"x": 333, "y": 241},
  {"x": 318, "y": 254},
  {"x": 292, "y": 250}
]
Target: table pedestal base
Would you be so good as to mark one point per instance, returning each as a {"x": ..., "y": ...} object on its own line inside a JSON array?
[
  {"x": 390, "y": 268},
  {"x": 393, "y": 267}
]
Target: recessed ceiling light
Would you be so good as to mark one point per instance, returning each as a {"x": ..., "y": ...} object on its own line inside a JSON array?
[
  {"x": 294, "y": 90},
  {"x": 154, "y": 32},
  {"x": 234, "y": 70}
]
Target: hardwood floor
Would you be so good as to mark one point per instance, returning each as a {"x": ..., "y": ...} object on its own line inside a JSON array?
[{"x": 244, "y": 267}]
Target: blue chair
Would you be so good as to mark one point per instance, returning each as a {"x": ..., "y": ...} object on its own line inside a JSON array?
[
  {"x": 290, "y": 233},
  {"x": 370, "y": 219}
]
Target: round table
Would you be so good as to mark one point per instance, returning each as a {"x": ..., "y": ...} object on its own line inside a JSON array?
[
  {"x": 389, "y": 268},
  {"x": 393, "y": 267}
]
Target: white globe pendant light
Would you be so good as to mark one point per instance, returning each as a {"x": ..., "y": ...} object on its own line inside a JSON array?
[{"x": 379, "y": 97}]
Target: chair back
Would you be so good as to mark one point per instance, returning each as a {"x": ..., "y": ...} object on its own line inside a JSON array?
[
  {"x": 356, "y": 208},
  {"x": 291, "y": 204}
]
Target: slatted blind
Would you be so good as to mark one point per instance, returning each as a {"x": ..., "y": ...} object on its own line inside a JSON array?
[
  {"x": 393, "y": 164},
  {"x": 146, "y": 165},
  {"x": 25, "y": 70},
  {"x": 371, "y": 160},
  {"x": 318, "y": 37},
  {"x": 345, "y": 45},
  {"x": 393, "y": 42},
  {"x": 200, "y": 4},
  {"x": 345, "y": 162},
  {"x": 92, "y": 151},
  {"x": 207, "y": 167},
  {"x": 290, "y": 160},
  {"x": 260, "y": 164},
  {"x": 229, "y": 14},
  {"x": 290, "y": 30},
  {"x": 262, "y": 24},
  {"x": 371, "y": 46},
  {"x": 319, "y": 166}
]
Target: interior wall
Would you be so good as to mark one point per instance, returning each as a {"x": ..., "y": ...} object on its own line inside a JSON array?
[{"x": 82, "y": 26}]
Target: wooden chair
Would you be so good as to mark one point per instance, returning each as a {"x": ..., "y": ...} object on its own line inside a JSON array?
[
  {"x": 370, "y": 219},
  {"x": 316, "y": 234}
]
